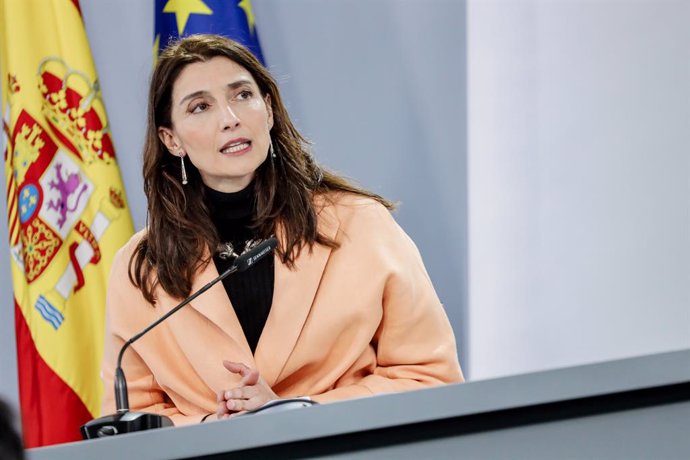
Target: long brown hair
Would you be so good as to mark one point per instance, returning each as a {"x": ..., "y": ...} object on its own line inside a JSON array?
[{"x": 179, "y": 226}]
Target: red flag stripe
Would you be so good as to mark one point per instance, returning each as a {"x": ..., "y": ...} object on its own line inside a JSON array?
[
  {"x": 12, "y": 202},
  {"x": 51, "y": 410},
  {"x": 12, "y": 219},
  {"x": 10, "y": 187},
  {"x": 76, "y": 5},
  {"x": 14, "y": 232}
]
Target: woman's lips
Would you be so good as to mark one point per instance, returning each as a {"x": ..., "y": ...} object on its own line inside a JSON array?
[{"x": 236, "y": 147}]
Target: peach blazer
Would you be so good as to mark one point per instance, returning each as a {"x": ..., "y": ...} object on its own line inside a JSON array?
[{"x": 351, "y": 322}]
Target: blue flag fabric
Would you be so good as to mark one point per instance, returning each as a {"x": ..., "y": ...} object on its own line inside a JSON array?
[{"x": 231, "y": 18}]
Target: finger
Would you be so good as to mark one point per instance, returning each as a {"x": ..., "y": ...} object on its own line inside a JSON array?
[
  {"x": 250, "y": 378},
  {"x": 220, "y": 396},
  {"x": 237, "y": 413},
  {"x": 236, "y": 368},
  {"x": 235, "y": 405},
  {"x": 221, "y": 409},
  {"x": 242, "y": 405},
  {"x": 241, "y": 393},
  {"x": 235, "y": 393}
]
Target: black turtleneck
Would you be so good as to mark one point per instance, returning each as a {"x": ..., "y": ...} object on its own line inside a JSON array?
[{"x": 251, "y": 291}]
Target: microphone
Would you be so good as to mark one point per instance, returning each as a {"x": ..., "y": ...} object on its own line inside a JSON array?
[{"x": 124, "y": 421}]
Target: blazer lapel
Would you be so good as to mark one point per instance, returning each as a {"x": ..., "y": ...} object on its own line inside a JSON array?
[
  {"x": 217, "y": 307},
  {"x": 213, "y": 305},
  {"x": 293, "y": 294}
]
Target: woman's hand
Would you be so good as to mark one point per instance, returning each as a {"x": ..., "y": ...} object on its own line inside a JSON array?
[{"x": 251, "y": 393}]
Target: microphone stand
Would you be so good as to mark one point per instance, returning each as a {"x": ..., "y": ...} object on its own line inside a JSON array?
[{"x": 125, "y": 421}]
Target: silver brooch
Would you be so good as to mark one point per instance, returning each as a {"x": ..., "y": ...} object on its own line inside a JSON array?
[{"x": 227, "y": 251}]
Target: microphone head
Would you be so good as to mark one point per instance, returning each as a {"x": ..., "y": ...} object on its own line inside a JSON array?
[{"x": 255, "y": 254}]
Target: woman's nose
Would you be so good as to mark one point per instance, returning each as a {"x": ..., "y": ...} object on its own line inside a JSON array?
[{"x": 229, "y": 119}]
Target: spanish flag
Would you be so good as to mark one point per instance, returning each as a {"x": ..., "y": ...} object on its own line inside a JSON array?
[{"x": 67, "y": 213}]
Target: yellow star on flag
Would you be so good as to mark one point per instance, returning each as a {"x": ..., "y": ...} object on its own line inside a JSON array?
[
  {"x": 246, "y": 5},
  {"x": 182, "y": 10}
]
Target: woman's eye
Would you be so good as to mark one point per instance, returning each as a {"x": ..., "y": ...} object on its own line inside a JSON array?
[
  {"x": 200, "y": 107},
  {"x": 244, "y": 95}
]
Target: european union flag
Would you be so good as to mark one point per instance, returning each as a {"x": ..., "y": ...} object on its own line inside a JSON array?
[{"x": 230, "y": 18}]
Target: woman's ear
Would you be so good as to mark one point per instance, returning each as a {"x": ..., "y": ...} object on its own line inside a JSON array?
[{"x": 169, "y": 140}]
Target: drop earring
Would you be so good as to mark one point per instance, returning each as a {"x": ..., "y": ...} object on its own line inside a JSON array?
[
  {"x": 271, "y": 151},
  {"x": 182, "y": 169}
]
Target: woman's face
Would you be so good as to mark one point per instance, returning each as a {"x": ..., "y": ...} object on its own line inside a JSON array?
[{"x": 221, "y": 121}]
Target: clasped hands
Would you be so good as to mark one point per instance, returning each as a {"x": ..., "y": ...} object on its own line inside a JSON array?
[{"x": 252, "y": 392}]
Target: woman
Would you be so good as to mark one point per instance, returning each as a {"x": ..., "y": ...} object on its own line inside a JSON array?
[{"x": 344, "y": 309}]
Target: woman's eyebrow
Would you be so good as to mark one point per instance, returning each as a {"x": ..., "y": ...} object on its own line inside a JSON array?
[
  {"x": 193, "y": 95},
  {"x": 238, "y": 83}
]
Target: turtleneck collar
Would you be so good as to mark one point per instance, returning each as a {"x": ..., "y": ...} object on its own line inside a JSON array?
[
  {"x": 232, "y": 204},
  {"x": 231, "y": 213}
]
